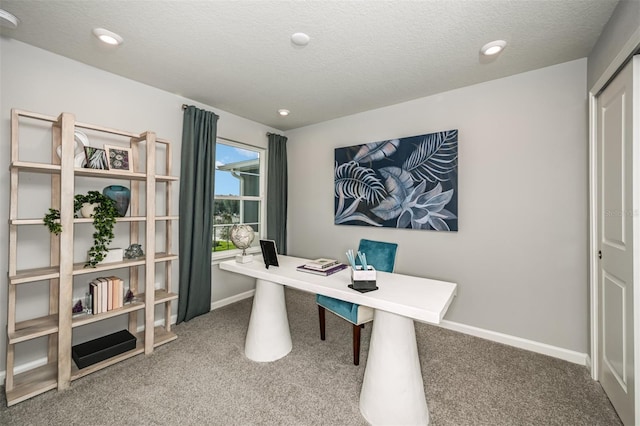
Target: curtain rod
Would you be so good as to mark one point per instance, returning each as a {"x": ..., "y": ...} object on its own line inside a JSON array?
[{"x": 184, "y": 106}]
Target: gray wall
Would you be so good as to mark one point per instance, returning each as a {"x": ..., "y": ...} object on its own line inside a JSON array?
[
  {"x": 623, "y": 25},
  {"x": 520, "y": 256},
  {"x": 35, "y": 80}
]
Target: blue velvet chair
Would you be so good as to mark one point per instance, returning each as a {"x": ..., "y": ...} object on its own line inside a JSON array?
[{"x": 382, "y": 256}]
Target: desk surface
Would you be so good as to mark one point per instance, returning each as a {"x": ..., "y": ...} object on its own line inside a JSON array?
[{"x": 422, "y": 299}]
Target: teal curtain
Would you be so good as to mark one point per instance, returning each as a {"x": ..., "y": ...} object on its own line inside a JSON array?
[
  {"x": 197, "y": 174},
  {"x": 277, "y": 191}
]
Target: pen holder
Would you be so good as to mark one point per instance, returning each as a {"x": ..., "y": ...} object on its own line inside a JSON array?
[{"x": 363, "y": 279}]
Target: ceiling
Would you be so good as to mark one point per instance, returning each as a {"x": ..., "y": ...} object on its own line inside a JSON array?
[{"x": 237, "y": 56}]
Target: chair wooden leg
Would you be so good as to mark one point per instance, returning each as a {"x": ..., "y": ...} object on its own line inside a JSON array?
[
  {"x": 321, "y": 312},
  {"x": 356, "y": 343}
]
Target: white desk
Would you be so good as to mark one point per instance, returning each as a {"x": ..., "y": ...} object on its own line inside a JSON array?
[{"x": 392, "y": 390}]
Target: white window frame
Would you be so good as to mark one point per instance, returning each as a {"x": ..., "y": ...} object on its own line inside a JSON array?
[{"x": 217, "y": 257}]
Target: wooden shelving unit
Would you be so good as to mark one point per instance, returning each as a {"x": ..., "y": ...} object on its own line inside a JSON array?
[{"x": 58, "y": 323}]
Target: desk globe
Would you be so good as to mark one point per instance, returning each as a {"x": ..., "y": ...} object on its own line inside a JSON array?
[{"x": 242, "y": 237}]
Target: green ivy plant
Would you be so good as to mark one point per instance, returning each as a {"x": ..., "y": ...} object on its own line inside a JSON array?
[{"x": 104, "y": 218}]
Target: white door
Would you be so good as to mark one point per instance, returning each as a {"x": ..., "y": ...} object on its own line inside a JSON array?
[{"x": 618, "y": 220}]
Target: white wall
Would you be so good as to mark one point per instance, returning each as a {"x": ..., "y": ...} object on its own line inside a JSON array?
[
  {"x": 520, "y": 255},
  {"x": 39, "y": 81}
]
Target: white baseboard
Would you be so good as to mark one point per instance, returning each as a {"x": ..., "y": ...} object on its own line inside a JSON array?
[
  {"x": 518, "y": 342},
  {"x": 229, "y": 300}
]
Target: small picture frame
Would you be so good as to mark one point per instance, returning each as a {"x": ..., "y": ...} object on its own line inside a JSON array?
[
  {"x": 269, "y": 253},
  {"x": 96, "y": 158},
  {"x": 119, "y": 158}
]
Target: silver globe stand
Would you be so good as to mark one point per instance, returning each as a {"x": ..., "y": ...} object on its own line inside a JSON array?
[
  {"x": 244, "y": 258},
  {"x": 242, "y": 237}
]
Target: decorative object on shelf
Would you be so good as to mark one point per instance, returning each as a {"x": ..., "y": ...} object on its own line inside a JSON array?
[
  {"x": 96, "y": 158},
  {"x": 242, "y": 236},
  {"x": 102, "y": 348},
  {"x": 78, "y": 308},
  {"x": 133, "y": 252},
  {"x": 113, "y": 255},
  {"x": 129, "y": 297},
  {"x": 119, "y": 158},
  {"x": 121, "y": 195},
  {"x": 104, "y": 218},
  {"x": 80, "y": 140},
  {"x": 87, "y": 209},
  {"x": 88, "y": 302}
]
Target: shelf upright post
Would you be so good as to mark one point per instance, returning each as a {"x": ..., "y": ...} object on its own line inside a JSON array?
[
  {"x": 134, "y": 227},
  {"x": 168, "y": 237},
  {"x": 66, "y": 122},
  {"x": 150, "y": 235},
  {"x": 13, "y": 246},
  {"x": 54, "y": 240}
]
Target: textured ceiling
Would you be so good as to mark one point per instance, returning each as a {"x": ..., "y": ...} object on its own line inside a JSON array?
[{"x": 237, "y": 55}]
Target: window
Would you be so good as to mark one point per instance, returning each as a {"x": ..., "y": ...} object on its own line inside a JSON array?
[{"x": 239, "y": 189}]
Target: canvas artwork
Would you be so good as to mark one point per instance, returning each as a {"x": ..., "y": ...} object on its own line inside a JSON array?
[
  {"x": 96, "y": 158},
  {"x": 410, "y": 183},
  {"x": 119, "y": 158}
]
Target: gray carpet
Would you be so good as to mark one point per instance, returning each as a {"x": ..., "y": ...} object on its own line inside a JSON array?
[{"x": 203, "y": 378}]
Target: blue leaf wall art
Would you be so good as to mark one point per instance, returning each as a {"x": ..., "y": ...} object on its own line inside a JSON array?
[{"x": 410, "y": 183}]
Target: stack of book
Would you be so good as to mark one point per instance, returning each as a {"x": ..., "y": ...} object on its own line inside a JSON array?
[
  {"x": 107, "y": 293},
  {"x": 322, "y": 266}
]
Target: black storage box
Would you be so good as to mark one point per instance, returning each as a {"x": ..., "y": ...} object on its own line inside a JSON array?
[{"x": 93, "y": 351}]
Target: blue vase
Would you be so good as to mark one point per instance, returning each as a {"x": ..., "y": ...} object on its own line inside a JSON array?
[{"x": 121, "y": 195}]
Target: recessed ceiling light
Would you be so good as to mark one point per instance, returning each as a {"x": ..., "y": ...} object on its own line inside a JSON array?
[
  {"x": 493, "y": 48},
  {"x": 283, "y": 112},
  {"x": 300, "y": 39},
  {"x": 8, "y": 20},
  {"x": 107, "y": 36}
]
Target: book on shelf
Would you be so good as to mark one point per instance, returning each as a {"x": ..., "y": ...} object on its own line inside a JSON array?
[
  {"x": 106, "y": 294},
  {"x": 321, "y": 264},
  {"x": 325, "y": 272},
  {"x": 93, "y": 290}
]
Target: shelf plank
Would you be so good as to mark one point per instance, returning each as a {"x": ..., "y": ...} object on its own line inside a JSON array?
[
  {"x": 79, "y": 320},
  {"x": 167, "y": 217},
  {"x": 77, "y": 373},
  {"x": 84, "y": 220},
  {"x": 111, "y": 174},
  {"x": 162, "y": 336},
  {"x": 34, "y": 274},
  {"x": 26, "y": 222},
  {"x": 34, "y": 328},
  {"x": 33, "y": 382},
  {"x": 79, "y": 269},
  {"x": 165, "y": 257},
  {"x": 107, "y": 130},
  {"x": 51, "y": 272},
  {"x": 164, "y": 178},
  {"x": 162, "y": 296},
  {"x": 28, "y": 166}
]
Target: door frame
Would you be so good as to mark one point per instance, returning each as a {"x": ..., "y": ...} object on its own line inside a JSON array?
[{"x": 631, "y": 47}]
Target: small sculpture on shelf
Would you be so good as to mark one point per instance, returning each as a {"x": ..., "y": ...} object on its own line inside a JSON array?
[
  {"x": 133, "y": 252},
  {"x": 77, "y": 308},
  {"x": 129, "y": 297}
]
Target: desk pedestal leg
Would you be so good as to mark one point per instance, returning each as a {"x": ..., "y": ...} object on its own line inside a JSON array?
[
  {"x": 268, "y": 335},
  {"x": 392, "y": 390}
]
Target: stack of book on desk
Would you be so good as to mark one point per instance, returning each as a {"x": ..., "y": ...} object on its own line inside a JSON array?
[{"x": 322, "y": 266}]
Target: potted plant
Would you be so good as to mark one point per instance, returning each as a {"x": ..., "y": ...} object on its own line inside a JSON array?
[{"x": 104, "y": 218}]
